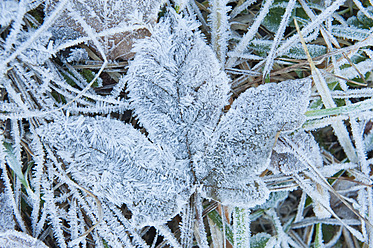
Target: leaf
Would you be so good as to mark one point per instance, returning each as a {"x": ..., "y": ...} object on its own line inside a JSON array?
[
  {"x": 12, "y": 238},
  {"x": 351, "y": 33},
  {"x": 178, "y": 92},
  {"x": 319, "y": 242},
  {"x": 6, "y": 211},
  {"x": 294, "y": 151},
  {"x": 14, "y": 164},
  {"x": 296, "y": 51},
  {"x": 244, "y": 138},
  {"x": 120, "y": 165},
  {"x": 275, "y": 15},
  {"x": 259, "y": 240},
  {"x": 176, "y": 87},
  {"x": 273, "y": 200},
  {"x": 236, "y": 191},
  {"x": 224, "y": 227},
  {"x": 273, "y": 19},
  {"x": 298, "y": 152},
  {"x": 8, "y": 9},
  {"x": 241, "y": 227},
  {"x": 365, "y": 20}
]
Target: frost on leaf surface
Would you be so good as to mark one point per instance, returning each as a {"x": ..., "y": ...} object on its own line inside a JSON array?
[
  {"x": 120, "y": 165},
  {"x": 12, "y": 238},
  {"x": 176, "y": 86},
  {"x": 178, "y": 93},
  {"x": 6, "y": 212},
  {"x": 8, "y": 9},
  {"x": 245, "y": 136},
  {"x": 294, "y": 151}
]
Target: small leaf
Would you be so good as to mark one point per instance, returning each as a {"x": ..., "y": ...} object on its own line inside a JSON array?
[
  {"x": 351, "y": 33},
  {"x": 245, "y": 136},
  {"x": 6, "y": 211},
  {"x": 216, "y": 218},
  {"x": 296, "y": 51},
  {"x": 273, "y": 200},
  {"x": 319, "y": 242},
  {"x": 12, "y": 238},
  {"x": 241, "y": 227},
  {"x": 120, "y": 165},
  {"x": 363, "y": 19},
  {"x": 294, "y": 151},
  {"x": 259, "y": 240},
  {"x": 14, "y": 164}
]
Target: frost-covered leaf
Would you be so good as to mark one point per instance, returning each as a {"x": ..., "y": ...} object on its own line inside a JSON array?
[
  {"x": 12, "y": 239},
  {"x": 6, "y": 211},
  {"x": 245, "y": 136},
  {"x": 179, "y": 97},
  {"x": 77, "y": 54},
  {"x": 14, "y": 164},
  {"x": 248, "y": 130},
  {"x": 273, "y": 200},
  {"x": 263, "y": 47},
  {"x": 224, "y": 227},
  {"x": 176, "y": 86},
  {"x": 364, "y": 19},
  {"x": 8, "y": 10},
  {"x": 120, "y": 165},
  {"x": 351, "y": 33},
  {"x": 235, "y": 191},
  {"x": 241, "y": 227},
  {"x": 294, "y": 151},
  {"x": 276, "y": 13},
  {"x": 259, "y": 240},
  {"x": 104, "y": 14}
]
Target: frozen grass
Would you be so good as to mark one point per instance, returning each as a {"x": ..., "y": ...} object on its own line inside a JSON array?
[{"x": 319, "y": 177}]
